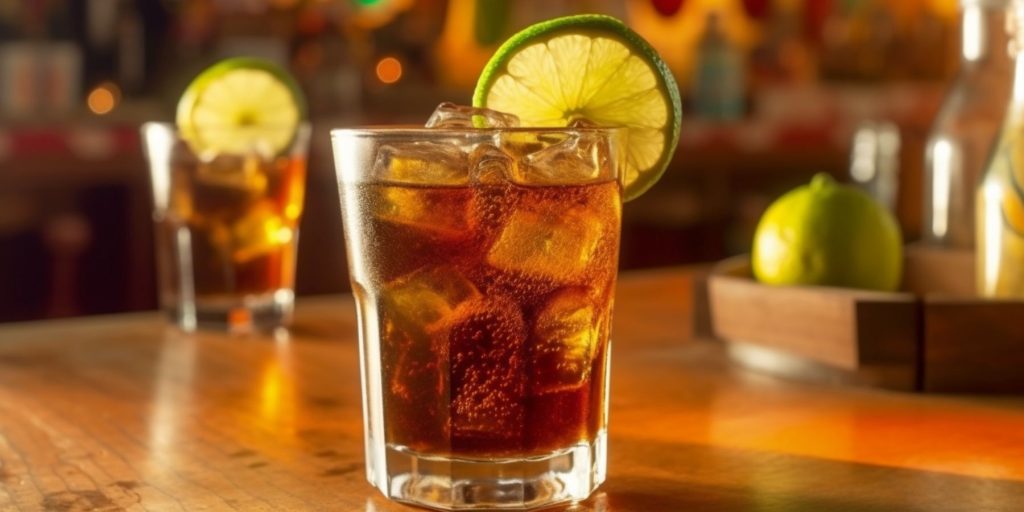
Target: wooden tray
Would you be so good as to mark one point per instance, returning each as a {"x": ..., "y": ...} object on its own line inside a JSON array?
[{"x": 934, "y": 336}]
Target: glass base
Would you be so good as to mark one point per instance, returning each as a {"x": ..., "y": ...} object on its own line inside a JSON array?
[
  {"x": 248, "y": 313},
  {"x": 444, "y": 483}
]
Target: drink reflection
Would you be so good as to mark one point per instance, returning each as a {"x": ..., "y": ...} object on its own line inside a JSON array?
[
  {"x": 854, "y": 434},
  {"x": 173, "y": 393},
  {"x": 277, "y": 387}
]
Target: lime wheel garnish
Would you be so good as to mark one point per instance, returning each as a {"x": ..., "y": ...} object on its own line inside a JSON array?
[
  {"x": 590, "y": 67},
  {"x": 241, "y": 105}
]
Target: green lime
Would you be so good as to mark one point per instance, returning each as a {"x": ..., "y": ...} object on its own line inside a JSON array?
[
  {"x": 828, "y": 234},
  {"x": 241, "y": 104},
  {"x": 595, "y": 68}
]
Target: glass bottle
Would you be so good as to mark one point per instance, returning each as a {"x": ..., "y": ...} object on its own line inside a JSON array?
[
  {"x": 967, "y": 124},
  {"x": 1000, "y": 195},
  {"x": 720, "y": 78}
]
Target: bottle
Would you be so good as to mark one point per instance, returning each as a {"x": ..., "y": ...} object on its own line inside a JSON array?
[
  {"x": 999, "y": 258},
  {"x": 719, "y": 89},
  {"x": 131, "y": 49},
  {"x": 966, "y": 127}
]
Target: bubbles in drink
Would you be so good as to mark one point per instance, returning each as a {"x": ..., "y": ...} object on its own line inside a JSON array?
[
  {"x": 419, "y": 310},
  {"x": 416, "y": 383},
  {"x": 427, "y": 297},
  {"x": 422, "y": 162},
  {"x": 547, "y": 239},
  {"x": 488, "y": 337},
  {"x": 487, "y": 377},
  {"x": 565, "y": 338},
  {"x": 491, "y": 260},
  {"x": 433, "y": 213}
]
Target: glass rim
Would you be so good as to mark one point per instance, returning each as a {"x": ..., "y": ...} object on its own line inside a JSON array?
[
  {"x": 416, "y": 130},
  {"x": 156, "y": 134}
]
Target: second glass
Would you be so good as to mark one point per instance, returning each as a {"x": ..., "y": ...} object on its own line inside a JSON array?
[
  {"x": 483, "y": 264},
  {"x": 226, "y": 230}
]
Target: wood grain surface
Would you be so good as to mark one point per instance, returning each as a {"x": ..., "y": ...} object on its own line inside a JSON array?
[
  {"x": 124, "y": 413},
  {"x": 841, "y": 327}
]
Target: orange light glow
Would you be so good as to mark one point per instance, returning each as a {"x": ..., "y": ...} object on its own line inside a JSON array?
[
  {"x": 292, "y": 211},
  {"x": 389, "y": 70},
  {"x": 103, "y": 98},
  {"x": 460, "y": 58},
  {"x": 676, "y": 38},
  {"x": 277, "y": 391}
]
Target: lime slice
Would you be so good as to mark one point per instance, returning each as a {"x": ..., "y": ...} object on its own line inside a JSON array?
[
  {"x": 240, "y": 105},
  {"x": 589, "y": 67}
]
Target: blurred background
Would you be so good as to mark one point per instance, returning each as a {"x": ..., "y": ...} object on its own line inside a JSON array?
[{"x": 774, "y": 91}]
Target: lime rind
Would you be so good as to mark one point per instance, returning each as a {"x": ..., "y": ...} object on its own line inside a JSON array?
[
  {"x": 240, "y": 105},
  {"x": 636, "y": 85}
]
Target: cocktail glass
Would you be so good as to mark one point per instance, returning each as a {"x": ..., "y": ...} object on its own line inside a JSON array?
[
  {"x": 226, "y": 230},
  {"x": 483, "y": 264}
]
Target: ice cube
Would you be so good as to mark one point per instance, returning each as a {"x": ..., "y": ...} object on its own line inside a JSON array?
[
  {"x": 427, "y": 186},
  {"x": 425, "y": 163},
  {"x": 455, "y": 360},
  {"x": 239, "y": 173},
  {"x": 582, "y": 123},
  {"x": 181, "y": 205},
  {"x": 239, "y": 140},
  {"x": 487, "y": 377},
  {"x": 490, "y": 165},
  {"x": 438, "y": 212},
  {"x": 565, "y": 337},
  {"x": 260, "y": 231},
  {"x": 416, "y": 378},
  {"x": 450, "y": 115},
  {"x": 567, "y": 158},
  {"x": 426, "y": 299},
  {"x": 547, "y": 239}
]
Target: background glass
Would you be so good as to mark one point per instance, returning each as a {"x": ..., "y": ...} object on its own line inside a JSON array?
[
  {"x": 483, "y": 265},
  {"x": 226, "y": 230}
]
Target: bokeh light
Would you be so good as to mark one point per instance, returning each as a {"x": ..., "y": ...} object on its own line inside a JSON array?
[
  {"x": 389, "y": 70},
  {"x": 103, "y": 98}
]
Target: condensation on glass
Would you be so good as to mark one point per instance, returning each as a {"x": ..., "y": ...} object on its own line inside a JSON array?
[{"x": 483, "y": 265}]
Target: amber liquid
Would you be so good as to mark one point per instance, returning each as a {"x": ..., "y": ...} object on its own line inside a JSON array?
[
  {"x": 492, "y": 306},
  {"x": 233, "y": 224}
]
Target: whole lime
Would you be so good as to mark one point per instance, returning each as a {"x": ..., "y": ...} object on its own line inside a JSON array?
[{"x": 828, "y": 234}]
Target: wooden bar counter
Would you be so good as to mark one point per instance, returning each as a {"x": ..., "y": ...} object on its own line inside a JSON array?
[{"x": 124, "y": 413}]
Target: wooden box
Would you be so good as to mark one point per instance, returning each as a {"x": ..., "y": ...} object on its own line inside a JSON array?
[{"x": 932, "y": 336}]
